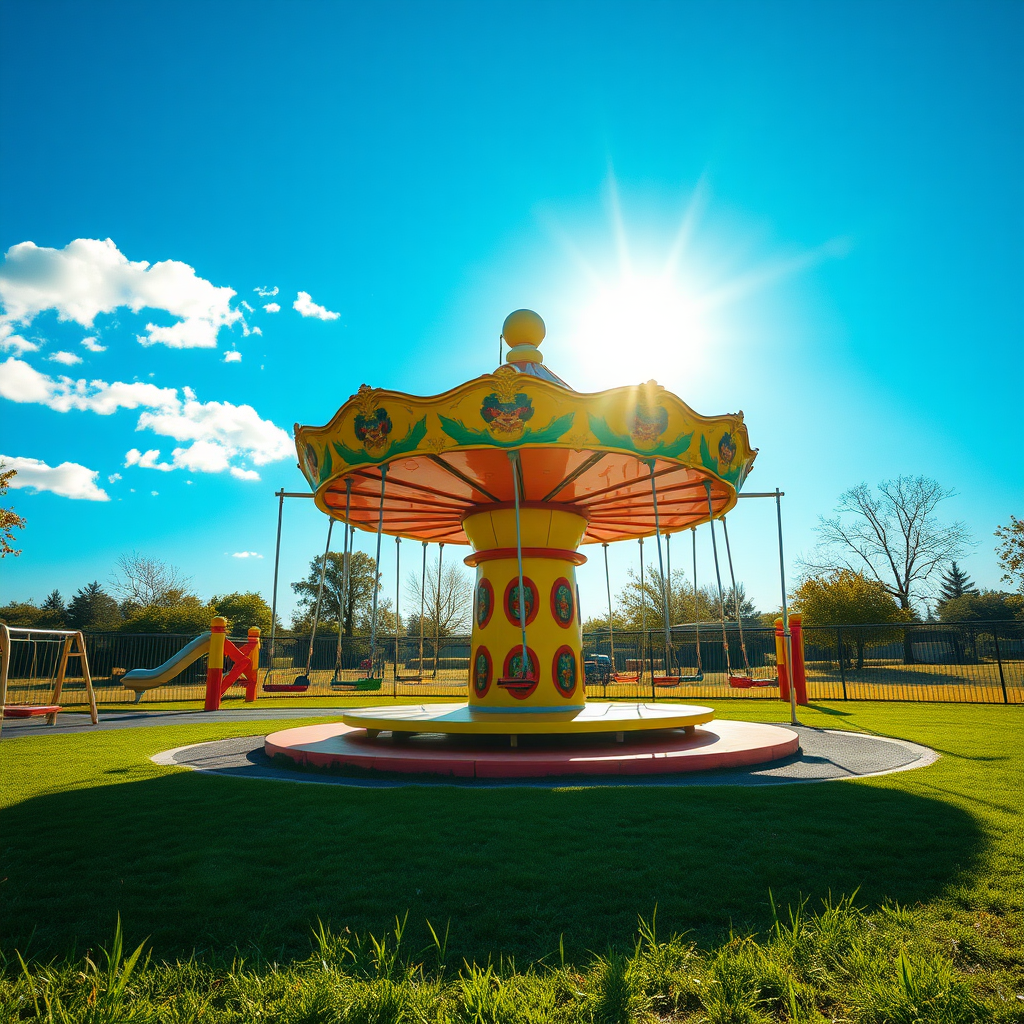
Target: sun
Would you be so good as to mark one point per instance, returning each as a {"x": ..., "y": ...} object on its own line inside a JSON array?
[{"x": 638, "y": 317}]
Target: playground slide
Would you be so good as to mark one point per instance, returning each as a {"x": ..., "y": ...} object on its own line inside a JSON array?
[{"x": 142, "y": 679}]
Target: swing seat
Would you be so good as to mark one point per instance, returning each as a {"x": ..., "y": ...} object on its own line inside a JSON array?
[
  {"x": 626, "y": 677},
  {"x": 295, "y": 687},
  {"x": 30, "y": 710},
  {"x": 367, "y": 684},
  {"x": 517, "y": 685},
  {"x": 667, "y": 680},
  {"x": 741, "y": 682}
]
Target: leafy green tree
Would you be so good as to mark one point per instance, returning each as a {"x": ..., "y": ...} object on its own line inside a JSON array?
[
  {"x": 9, "y": 519},
  {"x": 955, "y": 583},
  {"x": 93, "y": 608},
  {"x": 243, "y": 611},
  {"x": 645, "y": 605},
  {"x": 21, "y": 613},
  {"x": 988, "y": 606},
  {"x": 187, "y": 615},
  {"x": 53, "y": 611},
  {"x": 363, "y": 577},
  {"x": 849, "y": 599},
  {"x": 1010, "y": 552}
]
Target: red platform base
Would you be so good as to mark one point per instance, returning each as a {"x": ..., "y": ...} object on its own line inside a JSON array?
[{"x": 716, "y": 745}]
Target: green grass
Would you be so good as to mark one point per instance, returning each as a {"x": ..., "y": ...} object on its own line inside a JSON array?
[{"x": 90, "y": 829}]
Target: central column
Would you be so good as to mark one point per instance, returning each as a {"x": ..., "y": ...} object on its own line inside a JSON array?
[{"x": 554, "y": 671}]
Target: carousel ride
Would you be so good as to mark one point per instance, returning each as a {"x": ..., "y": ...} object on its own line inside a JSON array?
[{"x": 526, "y": 471}]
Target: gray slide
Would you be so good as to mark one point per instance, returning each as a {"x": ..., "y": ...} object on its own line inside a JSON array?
[{"x": 142, "y": 679}]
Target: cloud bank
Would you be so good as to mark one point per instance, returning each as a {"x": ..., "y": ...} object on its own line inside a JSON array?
[
  {"x": 69, "y": 479},
  {"x": 88, "y": 277}
]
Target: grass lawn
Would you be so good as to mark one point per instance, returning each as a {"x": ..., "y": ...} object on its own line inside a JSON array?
[{"x": 90, "y": 828}]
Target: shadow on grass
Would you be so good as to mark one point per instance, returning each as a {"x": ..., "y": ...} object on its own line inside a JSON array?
[{"x": 213, "y": 864}]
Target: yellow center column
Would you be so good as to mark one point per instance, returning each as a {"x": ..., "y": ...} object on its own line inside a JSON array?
[{"x": 553, "y": 679}]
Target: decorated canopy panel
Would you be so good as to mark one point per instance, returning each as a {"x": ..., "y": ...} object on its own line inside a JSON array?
[{"x": 592, "y": 452}]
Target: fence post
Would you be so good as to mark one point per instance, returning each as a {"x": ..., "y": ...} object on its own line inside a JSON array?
[
  {"x": 253, "y": 671},
  {"x": 999, "y": 660},
  {"x": 782, "y": 669},
  {"x": 842, "y": 658},
  {"x": 215, "y": 663}
]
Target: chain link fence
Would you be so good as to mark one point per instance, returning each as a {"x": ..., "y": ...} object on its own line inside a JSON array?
[{"x": 975, "y": 662}]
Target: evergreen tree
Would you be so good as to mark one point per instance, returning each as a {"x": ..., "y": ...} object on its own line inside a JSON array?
[
  {"x": 955, "y": 583},
  {"x": 93, "y": 608},
  {"x": 53, "y": 611}
]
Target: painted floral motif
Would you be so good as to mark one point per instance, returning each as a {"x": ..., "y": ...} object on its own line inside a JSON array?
[
  {"x": 484, "y": 603},
  {"x": 512, "y": 600},
  {"x": 564, "y": 671},
  {"x": 726, "y": 450},
  {"x": 563, "y": 604},
  {"x": 649, "y": 421},
  {"x": 514, "y": 665},
  {"x": 507, "y": 418},
  {"x": 482, "y": 670},
  {"x": 312, "y": 463}
]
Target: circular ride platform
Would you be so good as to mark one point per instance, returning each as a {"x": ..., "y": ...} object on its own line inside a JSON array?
[
  {"x": 465, "y": 719},
  {"x": 722, "y": 744}
]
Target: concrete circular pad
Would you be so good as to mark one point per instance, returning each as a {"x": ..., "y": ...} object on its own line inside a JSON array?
[
  {"x": 716, "y": 745},
  {"x": 824, "y": 755}
]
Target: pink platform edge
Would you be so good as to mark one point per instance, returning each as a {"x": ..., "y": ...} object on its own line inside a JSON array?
[{"x": 723, "y": 744}]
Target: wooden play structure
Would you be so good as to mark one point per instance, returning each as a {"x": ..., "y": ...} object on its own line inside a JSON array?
[{"x": 71, "y": 645}]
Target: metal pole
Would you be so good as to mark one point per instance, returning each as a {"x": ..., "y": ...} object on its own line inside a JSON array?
[
  {"x": 611, "y": 628},
  {"x": 376, "y": 578},
  {"x": 345, "y": 556},
  {"x": 785, "y": 615},
  {"x": 999, "y": 659},
  {"x": 398, "y": 595},
  {"x": 736, "y": 600},
  {"x": 664, "y": 584},
  {"x": 319, "y": 595},
  {"x": 277, "y": 565},
  {"x": 718, "y": 577},
  {"x": 643, "y": 623},
  {"x": 842, "y": 659},
  {"x": 437, "y": 606},
  {"x": 514, "y": 459},
  {"x": 423, "y": 604}
]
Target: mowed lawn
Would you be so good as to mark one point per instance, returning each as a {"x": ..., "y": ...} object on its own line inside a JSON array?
[{"x": 90, "y": 828}]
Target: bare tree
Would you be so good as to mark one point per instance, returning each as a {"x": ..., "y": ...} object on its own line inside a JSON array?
[
  {"x": 447, "y": 616},
  {"x": 149, "y": 581},
  {"x": 893, "y": 536}
]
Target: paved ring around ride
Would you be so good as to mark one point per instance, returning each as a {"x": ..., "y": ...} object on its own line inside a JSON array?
[{"x": 824, "y": 755}]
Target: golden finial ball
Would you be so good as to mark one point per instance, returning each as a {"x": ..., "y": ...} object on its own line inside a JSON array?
[{"x": 523, "y": 327}]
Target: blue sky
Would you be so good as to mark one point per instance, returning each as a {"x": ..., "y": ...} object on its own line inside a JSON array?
[{"x": 840, "y": 185}]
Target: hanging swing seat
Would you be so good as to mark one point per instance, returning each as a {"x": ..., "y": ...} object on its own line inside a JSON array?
[
  {"x": 746, "y": 682},
  {"x": 357, "y": 684},
  {"x": 517, "y": 685},
  {"x": 625, "y": 677},
  {"x": 30, "y": 710},
  {"x": 676, "y": 680},
  {"x": 300, "y": 685}
]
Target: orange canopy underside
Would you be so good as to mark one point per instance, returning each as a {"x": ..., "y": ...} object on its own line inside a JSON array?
[{"x": 426, "y": 496}]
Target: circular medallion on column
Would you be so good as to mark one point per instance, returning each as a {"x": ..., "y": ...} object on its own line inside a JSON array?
[
  {"x": 484, "y": 603},
  {"x": 564, "y": 671},
  {"x": 563, "y": 602},
  {"x": 513, "y": 671},
  {"x": 483, "y": 670},
  {"x": 511, "y": 600}
]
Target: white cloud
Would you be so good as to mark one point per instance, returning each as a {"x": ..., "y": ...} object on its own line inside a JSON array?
[
  {"x": 155, "y": 493},
  {"x": 113, "y": 478},
  {"x": 257, "y": 330},
  {"x": 92, "y": 345},
  {"x": 69, "y": 479},
  {"x": 88, "y": 277},
  {"x": 147, "y": 460},
  {"x": 305, "y": 305},
  {"x": 233, "y": 356},
  {"x": 246, "y": 554},
  {"x": 67, "y": 358},
  {"x": 245, "y": 305},
  {"x": 272, "y": 307},
  {"x": 266, "y": 293},
  {"x": 220, "y": 435},
  {"x": 244, "y": 474},
  {"x": 11, "y": 342}
]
